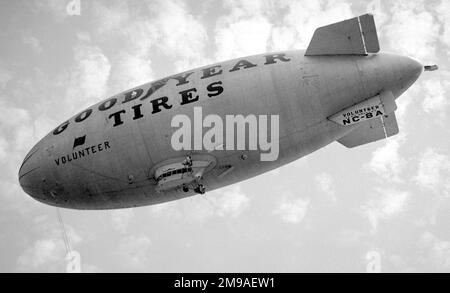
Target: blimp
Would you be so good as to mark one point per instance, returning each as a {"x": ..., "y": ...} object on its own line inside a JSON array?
[{"x": 206, "y": 128}]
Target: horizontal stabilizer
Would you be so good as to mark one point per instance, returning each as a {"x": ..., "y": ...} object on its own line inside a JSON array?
[
  {"x": 371, "y": 131},
  {"x": 356, "y": 36}
]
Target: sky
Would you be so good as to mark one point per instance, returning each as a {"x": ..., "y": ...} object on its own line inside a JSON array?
[{"x": 382, "y": 207}]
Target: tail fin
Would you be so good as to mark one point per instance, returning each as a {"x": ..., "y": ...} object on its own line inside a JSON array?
[
  {"x": 371, "y": 131},
  {"x": 375, "y": 119},
  {"x": 356, "y": 36}
]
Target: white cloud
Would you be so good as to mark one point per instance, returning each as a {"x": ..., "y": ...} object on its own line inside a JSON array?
[
  {"x": 120, "y": 219},
  {"x": 437, "y": 251},
  {"x": 166, "y": 27},
  {"x": 18, "y": 132},
  {"x": 48, "y": 253},
  {"x": 324, "y": 183},
  {"x": 133, "y": 252},
  {"x": 129, "y": 71},
  {"x": 228, "y": 202},
  {"x": 15, "y": 129},
  {"x": 245, "y": 30},
  {"x": 179, "y": 34},
  {"x": 282, "y": 38},
  {"x": 236, "y": 38},
  {"x": 292, "y": 210},
  {"x": 231, "y": 202},
  {"x": 434, "y": 170},
  {"x": 386, "y": 161},
  {"x": 88, "y": 78},
  {"x": 404, "y": 108},
  {"x": 32, "y": 42},
  {"x": 303, "y": 18},
  {"x": 42, "y": 125},
  {"x": 12, "y": 197},
  {"x": 420, "y": 42},
  {"x": 386, "y": 204},
  {"x": 132, "y": 43},
  {"x": 110, "y": 18},
  {"x": 443, "y": 14},
  {"x": 436, "y": 102}
]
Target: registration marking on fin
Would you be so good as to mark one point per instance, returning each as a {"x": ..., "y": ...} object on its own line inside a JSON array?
[{"x": 366, "y": 110}]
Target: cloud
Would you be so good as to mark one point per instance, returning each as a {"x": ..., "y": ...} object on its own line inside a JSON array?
[
  {"x": 179, "y": 34},
  {"x": 120, "y": 219},
  {"x": 227, "y": 203},
  {"x": 436, "y": 252},
  {"x": 48, "y": 253},
  {"x": 88, "y": 78},
  {"x": 128, "y": 43},
  {"x": 386, "y": 204},
  {"x": 16, "y": 136},
  {"x": 443, "y": 14},
  {"x": 231, "y": 202},
  {"x": 433, "y": 171},
  {"x": 296, "y": 29},
  {"x": 110, "y": 18},
  {"x": 244, "y": 31},
  {"x": 45, "y": 254},
  {"x": 147, "y": 31},
  {"x": 436, "y": 102},
  {"x": 420, "y": 42},
  {"x": 129, "y": 71},
  {"x": 18, "y": 131},
  {"x": 292, "y": 210},
  {"x": 32, "y": 42},
  {"x": 386, "y": 161},
  {"x": 324, "y": 183},
  {"x": 12, "y": 197},
  {"x": 133, "y": 252},
  {"x": 252, "y": 27}
]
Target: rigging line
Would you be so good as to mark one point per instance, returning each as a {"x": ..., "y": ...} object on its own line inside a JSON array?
[
  {"x": 63, "y": 230},
  {"x": 65, "y": 237}
]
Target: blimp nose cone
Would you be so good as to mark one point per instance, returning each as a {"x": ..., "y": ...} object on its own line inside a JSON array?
[{"x": 411, "y": 69}]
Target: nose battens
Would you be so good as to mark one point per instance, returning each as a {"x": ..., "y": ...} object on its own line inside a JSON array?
[
  {"x": 415, "y": 69},
  {"x": 29, "y": 174}
]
